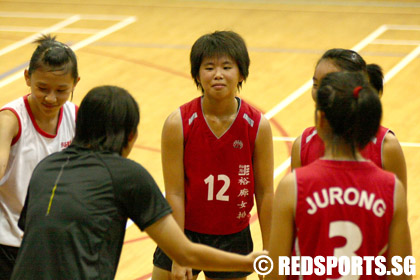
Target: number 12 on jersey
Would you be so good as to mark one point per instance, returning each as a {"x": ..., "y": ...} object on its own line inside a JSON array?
[{"x": 221, "y": 193}]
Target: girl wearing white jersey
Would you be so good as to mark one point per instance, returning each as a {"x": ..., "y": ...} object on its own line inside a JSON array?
[{"x": 32, "y": 127}]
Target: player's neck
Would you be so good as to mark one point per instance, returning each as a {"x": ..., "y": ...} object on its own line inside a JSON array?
[
  {"x": 341, "y": 151},
  {"x": 220, "y": 108}
]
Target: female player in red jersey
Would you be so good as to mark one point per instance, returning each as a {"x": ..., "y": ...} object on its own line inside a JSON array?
[
  {"x": 217, "y": 152},
  {"x": 342, "y": 204},
  {"x": 384, "y": 149},
  {"x": 32, "y": 127}
]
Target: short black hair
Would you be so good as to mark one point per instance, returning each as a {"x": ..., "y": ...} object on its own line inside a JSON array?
[
  {"x": 216, "y": 44},
  {"x": 106, "y": 118}
]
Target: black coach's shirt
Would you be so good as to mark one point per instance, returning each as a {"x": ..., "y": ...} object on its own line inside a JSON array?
[{"x": 76, "y": 211}]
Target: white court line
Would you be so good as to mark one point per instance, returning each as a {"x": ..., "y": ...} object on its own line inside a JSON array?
[
  {"x": 104, "y": 17},
  {"x": 33, "y": 29},
  {"x": 403, "y": 63},
  {"x": 104, "y": 33},
  {"x": 279, "y": 107},
  {"x": 280, "y": 169},
  {"x": 31, "y": 38},
  {"x": 406, "y": 144},
  {"x": 51, "y": 15},
  {"x": 288, "y": 100},
  {"x": 369, "y": 39},
  {"x": 292, "y": 97},
  {"x": 396, "y": 42},
  {"x": 33, "y": 15},
  {"x": 406, "y": 60},
  {"x": 403, "y": 27},
  {"x": 79, "y": 45}
]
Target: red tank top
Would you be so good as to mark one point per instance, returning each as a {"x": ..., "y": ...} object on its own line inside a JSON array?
[
  {"x": 343, "y": 208},
  {"x": 312, "y": 147},
  {"x": 219, "y": 177}
]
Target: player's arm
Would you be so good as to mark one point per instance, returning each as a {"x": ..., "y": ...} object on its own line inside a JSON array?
[
  {"x": 295, "y": 158},
  {"x": 173, "y": 165},
  {"x": 399, "y": 231},
  {"x": 393, "y": 158},
  {"x": 263, "y": 165},
  {"x": 9, "y": 127},
  {"x": 173, "y": 175},
  {"x": 283, "y": 223},
  {"x": 169, "y": 237}
]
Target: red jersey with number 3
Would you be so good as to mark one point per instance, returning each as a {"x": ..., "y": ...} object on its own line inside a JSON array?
[
  {"x": 219, "y": 177},
  {"x": 312, "y": 147},
  {"x": 343, "y": 208}
]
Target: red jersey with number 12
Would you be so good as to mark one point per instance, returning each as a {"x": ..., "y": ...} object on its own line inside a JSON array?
[
  {"x": 219, "y": 177},
  {"x": 344, "y": 208}
]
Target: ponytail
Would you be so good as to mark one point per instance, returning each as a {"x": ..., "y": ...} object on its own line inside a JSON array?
[
  {"x": 351, "y": 106},
  {"x": 351, "y": 61},
  {"x": 376, "y": 77}
]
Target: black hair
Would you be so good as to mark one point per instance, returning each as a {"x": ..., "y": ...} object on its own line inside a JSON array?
[
  {"x": 353, "y": 113},
  {"x": 106, "y": 118},
  {"x": 351, "y": 61},
  {"x": 216, "y": 44},
  {"x": 53, "y": 55}
]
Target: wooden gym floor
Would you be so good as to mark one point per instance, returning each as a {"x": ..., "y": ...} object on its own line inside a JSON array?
[{"x": 144, "y": 45}]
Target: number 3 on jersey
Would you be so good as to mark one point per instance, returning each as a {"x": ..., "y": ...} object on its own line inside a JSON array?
[
  {"x": 220, "y": 194},
  {"x": 353, "y": 235}
]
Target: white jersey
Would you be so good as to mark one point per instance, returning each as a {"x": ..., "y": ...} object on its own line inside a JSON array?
[{"x": 29, "y": 147}]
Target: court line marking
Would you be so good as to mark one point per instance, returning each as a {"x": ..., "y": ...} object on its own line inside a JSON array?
[
  {"x": 4, "y": 28},
  {"x": 75, "y": 47},
  {"x": 63, "y": 16},
  {"x": 389, "y": 75},
  {"x": 307, "y": 86},
  {"x": 396, "y": 42},
  {"x": 330, "y": 3},
  {"x": 296, "y": 94},
  {"x": 34, "y": 15},
  {"x": 406, "y": 144},
  {"x": 403, "y": 63},
  {"x": 33, "y": 37},
  {"x": 407, "y": 59},
  {"x": 403, "y": 27},
  {"x": 105, "y": 32}
]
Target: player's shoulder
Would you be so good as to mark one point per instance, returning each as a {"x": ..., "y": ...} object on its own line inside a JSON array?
[
  {"x": 191, "y": 105},
  {"x": 173, "y": 125},
  {"x": 8, "y": 116},
  {"x": 308, "y": 133},
  {"x": 174, "y": 117},
  {"x": 248, "y": 107}
]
